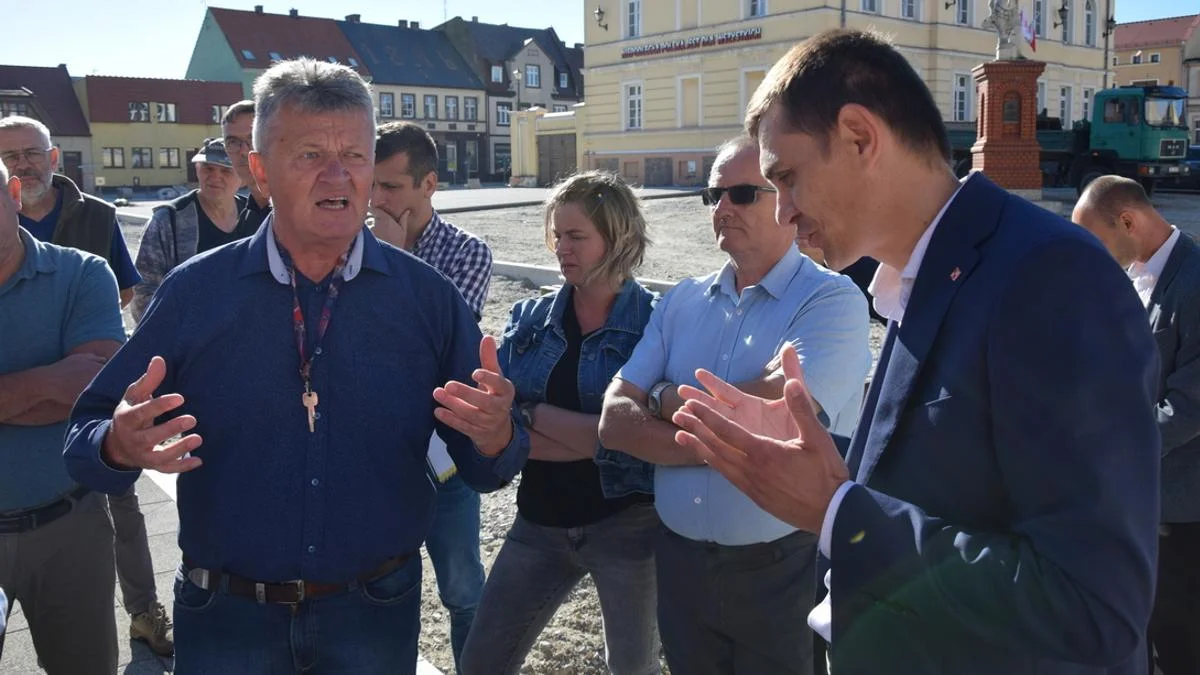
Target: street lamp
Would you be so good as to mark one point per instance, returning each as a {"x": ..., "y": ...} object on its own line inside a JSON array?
[
  {"x": 1063, "y": 14},
  {"x": 599, "y": 14},
  {"x": 516, "y": 73},
  {"x": 1110, "y": 26}
]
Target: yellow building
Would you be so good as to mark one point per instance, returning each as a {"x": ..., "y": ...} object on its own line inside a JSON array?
[
  {"x": 1162, "y": 52},
  {"x": 145, "y": 131},
  {"x": 668, "y": 80}
]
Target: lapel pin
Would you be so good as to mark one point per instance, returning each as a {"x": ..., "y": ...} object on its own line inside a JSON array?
[{"x": 955, "y": 274}]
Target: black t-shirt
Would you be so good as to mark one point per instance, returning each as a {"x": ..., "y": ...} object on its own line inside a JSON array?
[
  {"x": 212, "y": 236},
  {"x": 567, "y": 494},
  {"x": 252, "y": 215}
]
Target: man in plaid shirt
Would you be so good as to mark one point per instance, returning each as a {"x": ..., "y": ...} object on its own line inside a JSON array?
[{"x": 406, "y": 177}]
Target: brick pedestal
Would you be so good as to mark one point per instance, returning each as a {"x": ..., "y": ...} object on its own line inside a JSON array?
[{"x": 1006, "y": 147}]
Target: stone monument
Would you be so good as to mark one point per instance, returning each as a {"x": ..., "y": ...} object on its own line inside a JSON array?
[{"x": 1006, "y": 146}]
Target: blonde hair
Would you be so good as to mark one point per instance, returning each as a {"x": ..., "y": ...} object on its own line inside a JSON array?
[{"x": 615, "y": 211}]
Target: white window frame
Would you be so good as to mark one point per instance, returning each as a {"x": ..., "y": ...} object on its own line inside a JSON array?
[
  {"x": 1066, "y": 104},
  {"x": 504, "y": 110},
  {"x": 1039, "y": 17},
  {"x": 964, "y": 13},
  {"x": 497, "y": 74},
  {"x": 168, "y": 158},
  {"x": 679, "y": 80},
  {"x": 139, "y": 111},
  {"x": 426, "y": 106},
  {"x": 387, "y": 110},
  {"x": 470, "y": 108},
  {"x": 533, "y": 76},
  {"x": 627, "y": 99},
  {"x": 145, "y": 153},
  {"x": 564, "y": 81},
  {"x": 1089, "y": 23},
  {"x": 451, "y": 110},
  {"x": 166, "y": 112},
  {"x": 1086, "y": 104},
  {"x": 408, "y": 106},
  {"x": 631, "y": 11},
  {"x": 871, "y": 6},
  {"x": 914, "y": 5},
  {"x": 966, "y": 92},
  {"x": 756, "y": 9}
]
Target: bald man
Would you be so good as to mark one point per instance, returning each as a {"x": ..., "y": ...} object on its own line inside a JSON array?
[{"x": 1164, "y": 265}]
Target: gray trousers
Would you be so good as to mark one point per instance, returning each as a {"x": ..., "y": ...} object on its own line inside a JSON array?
[
  {"x": 63, "y": 576},
  {"x": 538, "y": 566},
  {"x": 135, "y": 570},
  {"x": 737, "y": 610}
]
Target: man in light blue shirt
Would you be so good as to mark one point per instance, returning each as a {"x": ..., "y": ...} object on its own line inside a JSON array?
[{"x": 735, "y": 584}]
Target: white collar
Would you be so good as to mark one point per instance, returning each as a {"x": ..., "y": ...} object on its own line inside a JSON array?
[
  {"x": 279, "y": 269},
  {"x": 1152, "y": 269},
  {"x": 891, "y": 289}
]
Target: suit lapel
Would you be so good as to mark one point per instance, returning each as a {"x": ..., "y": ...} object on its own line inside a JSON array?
[
  {"x": 1184, "y": 248},
  {"x": 949, "y": 260}
]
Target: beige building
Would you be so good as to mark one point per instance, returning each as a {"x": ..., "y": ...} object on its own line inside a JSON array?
[
  {"x": 669, "y": 80},
  {"x": 1163, "y": 52}
]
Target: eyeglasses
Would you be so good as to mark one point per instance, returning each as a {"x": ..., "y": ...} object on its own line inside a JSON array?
[
  {"x": 237, "y": 143},
  {"x": 738, "y": 194},
  {"x": 31, "y": 155}
]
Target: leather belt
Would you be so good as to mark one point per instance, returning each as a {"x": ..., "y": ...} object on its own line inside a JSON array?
[
  {"x": 285, "y": 592},
  {"x": 17, "y": 522}
]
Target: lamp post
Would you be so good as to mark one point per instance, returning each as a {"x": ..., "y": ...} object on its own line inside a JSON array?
[
  {"x": 516, "y": 73},
  {"x": 1110, "y": 26}
]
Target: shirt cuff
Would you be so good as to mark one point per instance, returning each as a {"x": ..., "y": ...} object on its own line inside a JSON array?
[
  {"x": 826, "y": 541},
  {"x": 512, "y": 458}
]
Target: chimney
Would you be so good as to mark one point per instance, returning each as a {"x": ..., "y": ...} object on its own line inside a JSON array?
[
  {"x": 353, "y": 18},
  {"x": 578, "y": 45},
  {"x": 258, "y": 9},
  {"x": 294, "y": 13},
  {"x": 415, "y": 24},
  {"x": 403, "y": 23},
  {"x": 474, "y": 19}
]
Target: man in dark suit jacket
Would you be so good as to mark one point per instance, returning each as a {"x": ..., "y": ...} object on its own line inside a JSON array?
[
  {"x": 996, "y": 512},
  {"x": 1164, "y": 265}
]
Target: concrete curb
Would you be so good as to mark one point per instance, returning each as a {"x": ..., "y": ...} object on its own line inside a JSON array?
[{"x": 543, "y": 276}]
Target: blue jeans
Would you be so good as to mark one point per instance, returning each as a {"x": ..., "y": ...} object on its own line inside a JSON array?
[
  {"x": 370, "y": 629},
  {"x": 453, "y": 545},
  {"x": 536, "y": 569}
]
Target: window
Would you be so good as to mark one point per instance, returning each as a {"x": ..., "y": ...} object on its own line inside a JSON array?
[
  {"x": 756, "y": 8},
  {"x": 1116, "y": 60},
  {"x": 1155, "y": 58},
  {"x": 113, "y": 158},
  {"x": 1039, "y": 17},
  {"x": 247, "y": 54},
  {"x": 1064, "y": 106},
  {"x": 143, "y": 158},
  {"x": 497, "y": 73},
  {"x": 451, "y": 107},
  {"x": 139, "y": 112},
  {"x": 633, "y": 106},
  {"x": 387, "y": 105},
  {"x": 217, "y": 113},
  {"x": 1041, "y": 97},
  {"x": 1087, "y": 105},
  {"x": 408, "y": 106},
  {"x": 962, "y": 13},
  {"x": 430, "y": 106},
  {"x": 1089, "y": 24},
  {"x": 871, "y": 6},
  {"x": 275, "y": 56},
  {"x": 562, "y": 81},
  {"x": 559, "y": 108},
  {"x": 962, "y": 97},
  {"x": 166, "y": 112},
  {"x": 1068, "y": 25},
  {"x": 908, "y": 9},
  {"x": 501, "y": 157},
  {"x": 11, "y": 108},
  {"x": 352, "y": 61},
  {"x": 168, "y": 158},
  {"x": 470, "y": 108},
  {"x": 503, "y": 110},
  {"x": 633, "y": 18},
  {"x": 1137, "y": 59},
  {"x": 533, "y": 76},
  {"x": 333, "y": 59}
]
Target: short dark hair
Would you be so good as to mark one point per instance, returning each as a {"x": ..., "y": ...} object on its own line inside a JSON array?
[
  {"x": 396, "y": 137},
  {"x": 1108, "y": 196},
  {"x": 236, "y": 110},
  {"x": 835, "y": 68}
]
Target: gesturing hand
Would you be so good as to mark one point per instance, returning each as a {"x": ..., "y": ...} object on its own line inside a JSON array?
[
  {"x": 776, "y": 452},
  {"x": 483, "y": 412},
  {"x": 133, "y": 436}
]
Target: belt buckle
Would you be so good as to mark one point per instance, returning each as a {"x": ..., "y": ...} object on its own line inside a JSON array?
[{"x": 298, "y": 584}]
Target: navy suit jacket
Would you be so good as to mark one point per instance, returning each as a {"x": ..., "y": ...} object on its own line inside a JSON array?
[
  {"x": 1175, "y": 318},
  {"x": 1004, "y": 517}
]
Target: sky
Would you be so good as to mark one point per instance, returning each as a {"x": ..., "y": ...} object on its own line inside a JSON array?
[{"x": 154, "y": 38}]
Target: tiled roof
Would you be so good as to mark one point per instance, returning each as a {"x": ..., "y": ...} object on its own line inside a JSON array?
[
  {"x": 258, "y": 39},
  {"x": 498, "y": 43},
  {"x": 109, "y": 97},
  {"x": 54, "y": 94},
  {"x": 409, "y": 56},
  {"x": 1156, "y": 32}
]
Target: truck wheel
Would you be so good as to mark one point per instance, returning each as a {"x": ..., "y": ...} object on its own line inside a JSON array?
[
  {"x": 1089, "y": 176},
  {"x": 1148, "y": 184}
]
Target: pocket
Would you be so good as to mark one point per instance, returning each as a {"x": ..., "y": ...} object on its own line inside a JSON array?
[
  {"x": 396, "y": 586},
  {"x": 191, "y": 598}
]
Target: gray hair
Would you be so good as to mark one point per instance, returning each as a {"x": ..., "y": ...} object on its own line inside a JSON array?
[
  {"x": 311, "y": 86},
  {"x": 732, "y": 148},
  {"x": 19, "y": 122}
]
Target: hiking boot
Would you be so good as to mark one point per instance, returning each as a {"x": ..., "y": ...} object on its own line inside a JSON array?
[{"x": 154, "y": 628}]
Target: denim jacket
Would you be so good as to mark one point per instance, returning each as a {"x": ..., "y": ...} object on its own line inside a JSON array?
[{"x": 533, "y": 343}]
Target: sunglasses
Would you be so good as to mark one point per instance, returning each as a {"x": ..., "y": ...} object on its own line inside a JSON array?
[{"x": 738, "y": 194}]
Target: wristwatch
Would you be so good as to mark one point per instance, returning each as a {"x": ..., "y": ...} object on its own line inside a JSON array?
[
  {"x": 526, "y": 412},
  {"x": 654, "y": 403}
]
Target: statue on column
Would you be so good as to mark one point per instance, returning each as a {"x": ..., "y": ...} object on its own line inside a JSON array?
[{"x": 1004, "y": 19}]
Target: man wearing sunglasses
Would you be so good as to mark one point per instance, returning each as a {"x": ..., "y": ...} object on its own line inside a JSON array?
[{"x": 734, "y": 583}]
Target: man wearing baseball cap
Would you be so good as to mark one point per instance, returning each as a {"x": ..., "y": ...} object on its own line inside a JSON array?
[{"x": 203, "y": 219}]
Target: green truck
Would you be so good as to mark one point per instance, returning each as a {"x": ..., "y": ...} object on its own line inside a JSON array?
[{"x": 1137, "y": 132}]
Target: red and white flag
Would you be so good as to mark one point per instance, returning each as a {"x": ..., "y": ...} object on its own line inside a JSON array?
[{"x": 1028, "y": 32}]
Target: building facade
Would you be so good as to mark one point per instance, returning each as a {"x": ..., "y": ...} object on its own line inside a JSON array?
[
  {"x": 669, "y": 81},
  {"x": 47, "y": 94},
  {"x": 1162, "y": 52},
  {"x": 145, "y": 131}
]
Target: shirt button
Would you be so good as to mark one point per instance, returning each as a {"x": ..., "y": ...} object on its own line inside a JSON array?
[
  {"x": 316, "y": 416},
  {"x": 312, "y": 549},
  {"x": 697, "y": 500},
  {"x": 315, "y": 482},
  {"x": 724, "y": 357},
  {"x": 739, "y": 312},
  {"x": 318, "y": 349}
]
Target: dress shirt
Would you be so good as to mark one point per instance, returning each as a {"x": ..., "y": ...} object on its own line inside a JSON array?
[
  {"x": 274, "y": 501},
  {"x": 1145, "y": 275},
  {"x": 464, "y": 258}
]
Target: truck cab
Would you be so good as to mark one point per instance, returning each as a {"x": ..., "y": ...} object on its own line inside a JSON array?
[{"x": 1139, "y": 132}]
